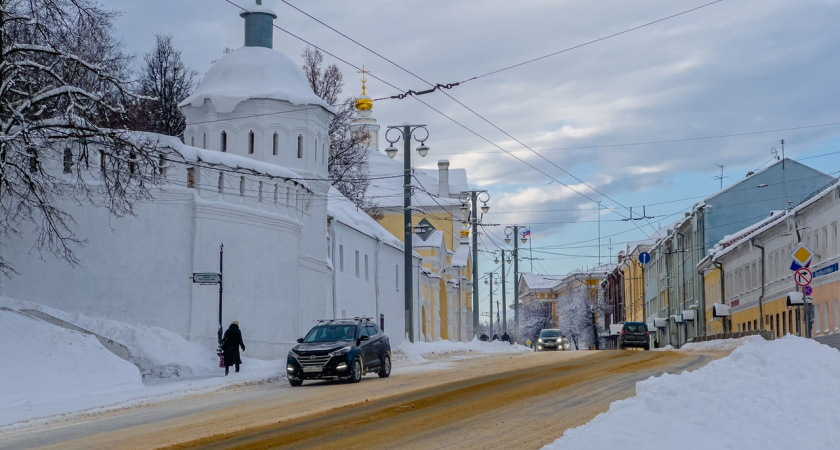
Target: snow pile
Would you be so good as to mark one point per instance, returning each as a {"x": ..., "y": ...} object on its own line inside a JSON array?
[
  {"x": 721, "y": 345},
  {"x": 421, "y": 352},
  {"x": 777, "y": 394},
  {"x": 47, "y": 364},
  {"x": 155, "y": 351}
]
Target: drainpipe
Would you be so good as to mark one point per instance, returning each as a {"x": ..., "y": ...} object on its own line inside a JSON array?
[
  {"x": 719, "y": 265},
  {"x": 760, "y": 297},
  {"x": 334, "y": 278},
  {"x": 376, "y": 275}
]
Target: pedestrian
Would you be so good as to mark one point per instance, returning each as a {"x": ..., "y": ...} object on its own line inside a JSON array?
[
  {"x": 505, "y": 337},
  {"x": 230, "y": 345}
]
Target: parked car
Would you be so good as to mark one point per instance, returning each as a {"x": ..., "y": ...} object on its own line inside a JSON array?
[
  {"x": 551, "y": 339},
  {"x": 344, "y": 349},
  {"x": 634, "y": 334}
]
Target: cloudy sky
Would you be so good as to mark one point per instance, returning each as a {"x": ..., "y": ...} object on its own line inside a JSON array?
[{"x": 633, "y": 104}]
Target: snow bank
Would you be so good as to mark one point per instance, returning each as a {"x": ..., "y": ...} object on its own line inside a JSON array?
[
  {"x": 777, "y": 394},
  {"x": 35, "y": 352}
]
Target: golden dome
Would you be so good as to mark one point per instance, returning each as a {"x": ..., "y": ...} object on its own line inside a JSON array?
[{"x": 364, "y": 103}]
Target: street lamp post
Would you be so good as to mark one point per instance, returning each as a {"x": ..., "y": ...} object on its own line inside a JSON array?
[
  {"x": 491, "y": 278},
  {"x": 406, "y": 132},
  {"x": 504, "y": 290},
  {"x": 473, "y": 197},
  {"x": 514, "y": 230}
]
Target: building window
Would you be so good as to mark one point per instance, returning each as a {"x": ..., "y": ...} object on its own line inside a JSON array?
[
  {"x": 68, "y": 160},
  {"x": 275, "y": 143},
  {"x": 341, "y": 258},
  {"x": 242, "y": 185},
  {"x": 251, "y": 142},
  {"x": 132, "y": 164},
  {"x": 260, "y": 192},
  {"x": 300, "y": 146},
  {"x": 192, "y": 141},
  {"x": 357, "y": 264},
  {"x": 784, "y": 324},
  {"x": 221, "y": 183},
  {"x": 162, "y": 165},
  {"x": 204, "y": 140},
  {"x": 276, "y": 192},
  {"x": 102, "y": 160},
  {"x": 224, "y": 141},
  {"x": 191, "y": 177}
]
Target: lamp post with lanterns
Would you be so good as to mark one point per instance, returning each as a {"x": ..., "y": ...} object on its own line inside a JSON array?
[
  {"x": 513, "y": 230},
  {"x": 469, "y": 208},
  {"x": 406, "y": 132}
]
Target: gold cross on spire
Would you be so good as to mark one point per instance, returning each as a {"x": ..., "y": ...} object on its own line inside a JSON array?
[{"x": 363, "y": 72}]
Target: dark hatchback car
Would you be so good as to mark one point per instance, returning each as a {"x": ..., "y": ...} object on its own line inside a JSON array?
[
  {"x": 340, "y": 349},
  {"x": 550, "y": 339},
  {"x": 634, "y": 334}
]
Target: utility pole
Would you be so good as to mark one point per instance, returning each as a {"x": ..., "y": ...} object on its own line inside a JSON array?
[
  {"x": 473, "y": 196},
  {"x": 514, "y": 230}
]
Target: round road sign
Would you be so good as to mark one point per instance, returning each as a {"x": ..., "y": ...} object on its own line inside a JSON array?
[
  {"x": 644, "y": 257},
  {"x": 807, "y": 290},
  {"x": 803, "y": 276}
]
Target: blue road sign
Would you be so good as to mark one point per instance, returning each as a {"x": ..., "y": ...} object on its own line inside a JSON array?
[
  {"x": 644, "y": 258},
  {"x": 807, "y": 290}
]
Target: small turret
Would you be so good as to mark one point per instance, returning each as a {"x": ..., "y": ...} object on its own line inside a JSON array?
[{"x": 259, "y": 26}]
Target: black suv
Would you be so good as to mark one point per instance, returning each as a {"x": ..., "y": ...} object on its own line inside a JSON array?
[
  {"x": 634, "y": 334},
  {"x": 340, "y": 349}
]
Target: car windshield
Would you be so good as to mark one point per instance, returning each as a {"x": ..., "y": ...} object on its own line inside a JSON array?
[
  {"x": 331, "y": 333},
  {"x": 635, "y": 327},
  {"x": 549, "y": 333}
]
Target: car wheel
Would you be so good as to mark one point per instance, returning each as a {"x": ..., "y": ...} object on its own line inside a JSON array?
[
  {"x": 385, "y": 369},
  {"x": 294, "y": 382},
  {"x": 356, "y": 371},
  {"x": 647, "y": 347}
]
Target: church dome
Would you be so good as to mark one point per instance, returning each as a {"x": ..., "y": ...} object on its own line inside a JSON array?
[
  {"x": 364, "y": 103},
  {"x": 252, "y": 73}
]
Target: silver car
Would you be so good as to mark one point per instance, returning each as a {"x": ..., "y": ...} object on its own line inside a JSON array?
[{"x": 551, "y": 339}]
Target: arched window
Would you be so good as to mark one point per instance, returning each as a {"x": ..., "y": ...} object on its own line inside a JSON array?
[
  {"x": 204, "y": 140},
  {"x": 223, "y": 145},
  {"x": 242, "y": 185},
  {"x": 251, "y": 142},
  {"x": 192, "y": 141},
  {"x": 275, "y": 143},
  {"x": 300, "y": 146}
]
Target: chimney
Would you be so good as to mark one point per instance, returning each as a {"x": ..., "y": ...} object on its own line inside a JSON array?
[
  {"x": 443, "y": 178},
  {"x": 259, "y": 26}
]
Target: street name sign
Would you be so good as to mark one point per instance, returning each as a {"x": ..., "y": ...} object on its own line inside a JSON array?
[{"x": 206, "y": 278}]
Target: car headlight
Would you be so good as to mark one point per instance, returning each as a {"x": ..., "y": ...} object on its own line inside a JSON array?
[
  {"x": 341, "y": 351},
  {"x": 540, "y": 340}
]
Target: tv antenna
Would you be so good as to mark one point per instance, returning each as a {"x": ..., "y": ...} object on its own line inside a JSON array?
[{"x": 721, "y": 176}]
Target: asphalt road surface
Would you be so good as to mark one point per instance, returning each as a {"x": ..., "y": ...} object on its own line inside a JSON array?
[{"x": 522, "y": 401}]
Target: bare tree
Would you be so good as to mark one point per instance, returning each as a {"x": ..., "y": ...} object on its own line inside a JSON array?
[
  {"x": 165, "y": 80},
  {"x": 348, "y": 161},
  {"x": 62, "y": 105}
]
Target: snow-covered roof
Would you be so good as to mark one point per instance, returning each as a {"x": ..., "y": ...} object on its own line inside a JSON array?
[
  {"x": 732, "y": 241},
  {"x": 461, "y": 256},
  {"x": 253, "y": 72},
  {"x": 536, "y": 281},
  {"x": 214, "y": 157},
  {"x": 386, "y": 184},
  {"x": 343, "y": 210}
]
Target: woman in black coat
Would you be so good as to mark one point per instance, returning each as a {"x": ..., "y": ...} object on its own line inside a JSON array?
[{"x": 230, "y": 345}]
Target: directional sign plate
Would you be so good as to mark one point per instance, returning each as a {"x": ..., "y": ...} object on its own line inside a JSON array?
[
  {"x": 803, "y": 276},
  {"x": 424, "y": 229}
]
